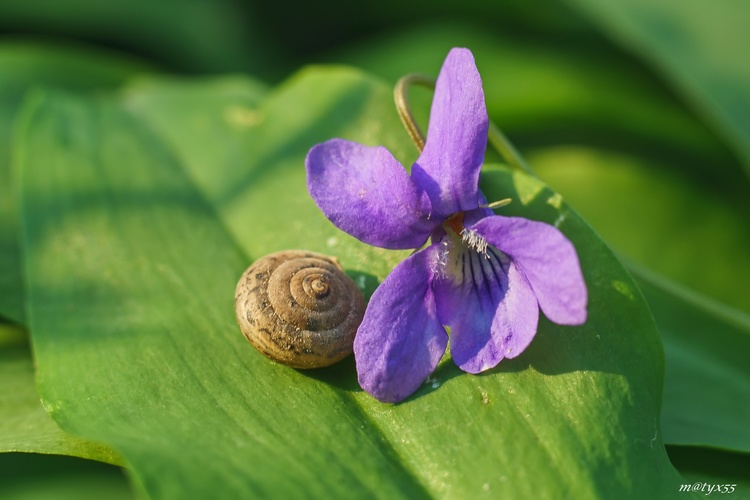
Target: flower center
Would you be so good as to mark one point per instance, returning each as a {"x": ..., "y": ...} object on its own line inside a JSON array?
[
  {"x": 455, "y": 223},
  {"x": 456, "y": 231},
  {"x": 464, "y": 254}
]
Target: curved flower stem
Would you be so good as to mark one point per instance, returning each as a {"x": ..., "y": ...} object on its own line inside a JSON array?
[
  {"x": 495, "y": 137},
  {"x": 401, "y": 96}
]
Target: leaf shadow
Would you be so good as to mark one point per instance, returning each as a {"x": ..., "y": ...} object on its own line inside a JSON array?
[{"x": 341, "y": 375}]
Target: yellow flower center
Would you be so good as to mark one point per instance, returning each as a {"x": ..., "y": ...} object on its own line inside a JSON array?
[{"x": 455, "y": 223}]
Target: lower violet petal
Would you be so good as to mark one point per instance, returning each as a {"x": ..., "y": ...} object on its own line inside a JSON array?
[
  {"x": 489, "y": 306},
  {"x": 517, "y": 317},
  {"x": 400, "y": 341},
  {"x": 547, "y": 259}
]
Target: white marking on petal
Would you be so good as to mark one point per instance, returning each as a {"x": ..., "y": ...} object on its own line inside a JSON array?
[
  {"x": 440, "y": 264},
  {"x": 469, "y": 261},
  {"x": 474, "y": 241}
]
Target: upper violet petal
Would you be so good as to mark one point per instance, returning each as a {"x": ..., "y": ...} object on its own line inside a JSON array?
[
  {"x": 448, "y": 168},
  {"x": 400, "y": 341},
  {"x": 489, "y": 306},
  {"x": 367, "y": 193},
  {"x": 547, "y": 259}
]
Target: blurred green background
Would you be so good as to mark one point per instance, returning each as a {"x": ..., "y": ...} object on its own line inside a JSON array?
[
  {"x": 574, "y": 93},
  {"x": 637, "y": 112}
]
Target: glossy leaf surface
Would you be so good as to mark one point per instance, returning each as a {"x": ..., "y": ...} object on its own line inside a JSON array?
[
  {"x": 24, "y": 425},
  {"x": 24, "y": 65},
  {"x": 132, "y": 271}
]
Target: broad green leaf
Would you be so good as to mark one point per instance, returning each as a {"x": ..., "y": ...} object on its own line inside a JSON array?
[
  {"x": 24, "y": 425},
  {"x": 22, "y": 65},
  {"x": 577, "y": 413},
  {"x": 707, "y": 381},
  {"x": 665, "y": 197},
  {"x": 338, "y": 104},
  {"x": 689, "y": 230},
  {"x": 131, "y": 281},
  {"x": 30, "y": 476},
  {"x": 218, "y": 109},
  {"x": 700, "y": 47}
]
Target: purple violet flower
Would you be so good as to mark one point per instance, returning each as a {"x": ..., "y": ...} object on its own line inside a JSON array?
[{"x": 483, "y": 275}]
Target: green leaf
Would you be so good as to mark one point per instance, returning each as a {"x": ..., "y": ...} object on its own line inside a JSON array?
[
  {"x": 220, "y": 110},
  {"x": 697, "y": 45},
  {"x": 132, "y": 276},
  {"x": 28, "y": 476},
  {"x": 23, "y": 65},
  {"x": 707, "y": 382},
  {"x": 136, "y": 342},
  {"x": 240, "y": 155},
  {"x": 24, "y": 425}
]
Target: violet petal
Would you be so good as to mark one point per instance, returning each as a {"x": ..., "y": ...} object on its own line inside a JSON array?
[
  {"x": 448, "y": 168},
  {"x": 400, "y": 341},
  {"x": 489, "y": 306},
  {"x": 547, "y": 259},
  {"x": 366, "y": 192}
]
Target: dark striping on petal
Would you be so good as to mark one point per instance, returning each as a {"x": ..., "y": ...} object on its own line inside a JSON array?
[
  {"x": 463, "y": 265},
  {"x": 488, "y": 272},
  {"x": 481, "y": 276},
  {"x": 500, "y": 267},
  {"x": 473, "y": 272}
]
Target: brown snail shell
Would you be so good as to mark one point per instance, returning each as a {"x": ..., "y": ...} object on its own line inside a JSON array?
[{"x": 299, "y": 308}]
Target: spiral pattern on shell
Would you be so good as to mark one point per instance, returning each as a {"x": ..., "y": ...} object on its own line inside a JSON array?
[{"x": 299, "y": 308}]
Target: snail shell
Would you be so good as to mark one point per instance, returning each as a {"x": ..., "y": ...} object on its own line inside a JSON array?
[{"x": 299, "y": 308}]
